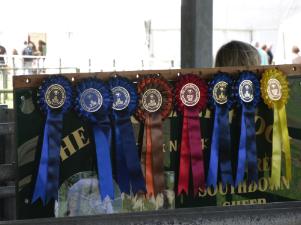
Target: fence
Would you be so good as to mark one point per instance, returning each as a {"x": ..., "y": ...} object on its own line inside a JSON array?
[{"x": 14, "y": 65}]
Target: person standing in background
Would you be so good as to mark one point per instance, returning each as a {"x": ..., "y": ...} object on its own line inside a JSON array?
[
  {"x": 42, "y": 52},
  {"x": 27, "y": 61},
  {"x": 42, "y": 48},
  {"x": 269, "y": 53},
  {"x": 2, "y": 52},
  {"x": 296, "y": 56},
  {"x": 263, "y": 55}
]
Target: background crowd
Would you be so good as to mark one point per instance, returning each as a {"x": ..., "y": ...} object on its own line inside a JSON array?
[{"x": 30, "y": 56}]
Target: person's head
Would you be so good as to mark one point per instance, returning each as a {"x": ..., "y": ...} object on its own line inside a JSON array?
[
  {"x": 237, "y": 53},
  {"x": 295, "y": 50},
  {"x": 264, "y": 47},
  {"x": 42, "y": 42},
  {"x": 15, "y": 52}
]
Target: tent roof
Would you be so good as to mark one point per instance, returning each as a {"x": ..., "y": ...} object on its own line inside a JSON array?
[
  {"x": 253, "y": 14},
  {"x": 79, "y": 15}
]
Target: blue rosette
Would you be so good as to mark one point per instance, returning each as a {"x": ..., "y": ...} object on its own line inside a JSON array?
[
  {"x": 247, "y": 94},
  {"x": 128, "y": 170},
  {"x": 221, "y": 101},
  {"x": 54, "y": 99},
  {"x": 93, "y": 103}
]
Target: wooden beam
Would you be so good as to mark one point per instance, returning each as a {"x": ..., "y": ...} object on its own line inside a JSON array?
[
  {"x": 7, "y": 191},
  {"x": 7, "y": 172},
  {"x": 30, "y": 81}
]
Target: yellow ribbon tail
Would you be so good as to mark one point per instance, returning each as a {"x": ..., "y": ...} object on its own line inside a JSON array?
[
  {"x": 286, "y": 143},
  {"x": 276, "y": 152}
]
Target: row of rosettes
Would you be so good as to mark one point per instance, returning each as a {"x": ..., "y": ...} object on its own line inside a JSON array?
[{"x": 92, "y": 98}]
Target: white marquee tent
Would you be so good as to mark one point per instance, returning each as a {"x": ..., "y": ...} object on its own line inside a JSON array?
[
  {"x": 271, "y": 22},
  {"x": 115, "y": 29}
]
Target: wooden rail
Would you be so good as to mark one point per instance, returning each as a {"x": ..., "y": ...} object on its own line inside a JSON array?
[{"x": 206, "y": 73}]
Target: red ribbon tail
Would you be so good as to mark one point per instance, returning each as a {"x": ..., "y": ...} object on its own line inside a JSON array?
[
  {"x": 183, "y": 182},
  {"x": 196, "y": 151}
]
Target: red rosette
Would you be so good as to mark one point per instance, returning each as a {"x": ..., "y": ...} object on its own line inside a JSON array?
[
  {"x": 191, "y": 96},
  {"x": 155, "y": 105},
  {"x": 197, "y": 81},
  {"x": 160, "y": 84}
]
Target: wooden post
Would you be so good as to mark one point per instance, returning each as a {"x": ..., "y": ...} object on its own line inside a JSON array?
[
  {"x": 196, "y": 33},
  {"x": 7, "y": 169}
]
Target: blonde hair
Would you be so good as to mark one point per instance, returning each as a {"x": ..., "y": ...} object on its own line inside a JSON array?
[{"x": 237, "y": 53}]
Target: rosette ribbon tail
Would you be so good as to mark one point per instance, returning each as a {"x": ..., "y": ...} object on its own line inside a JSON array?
[
  {"x": 149, "y": 179},
  {"x": 48, "y": 176},
  {"x": 191, "y": 151},
  {"x": 247, "y": 146},
  {"x": 196, "y": 150},
  {"x": 280, "y": 141},
  {"x": 122, "y": 173},
  {"x": 214, "y": 154},
  {"x": 128, "y": 158},
  {"x": 154, "y": 155},
  {"x": 286, "y": 143},
  {"x": 276, "y": 152},
  {"x": 40, "y": 186},
  {"x": 102, "y": 133},
  {"x": 224, "y": 149},
  {"x": 184, "y": 170}
]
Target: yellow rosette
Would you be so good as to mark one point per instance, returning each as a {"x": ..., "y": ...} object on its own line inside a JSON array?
[{"x": 274, "y": 91}]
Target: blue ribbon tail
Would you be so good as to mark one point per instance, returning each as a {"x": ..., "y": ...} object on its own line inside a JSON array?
[
  {"x": 241, "y": 161},
  {"x": 225, "y": 147},
  {"x": 131, "y": 155},
  {"x": 55, "y": 127},
  {"x": 213, "y": 165},
  {"x": 251, "y": 144},
  {"x": 102, "y": 135},
  {"x": 41, "y": 182},
  {"x": 122, "y": 174}
]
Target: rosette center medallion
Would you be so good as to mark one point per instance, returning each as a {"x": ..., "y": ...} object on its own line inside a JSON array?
[{"x": 152, "y": 100}]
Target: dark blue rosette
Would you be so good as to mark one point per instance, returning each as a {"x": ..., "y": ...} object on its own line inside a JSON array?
[
  {"x": 221, "y": 100},
  {"x": 93, "y": 102},
  {"x": 128, "y": 170},
  {"x": 247, "y": 94},
  {"x": 54, "y": 99},
  {"x": 94, "y": 116}
]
